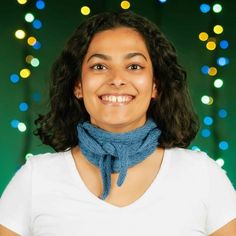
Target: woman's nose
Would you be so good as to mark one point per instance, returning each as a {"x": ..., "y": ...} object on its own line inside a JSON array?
[{"x": 117, "y": 79}]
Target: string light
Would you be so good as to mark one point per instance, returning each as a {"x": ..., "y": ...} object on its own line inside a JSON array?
[
  {"x": 203, "y": 36},
  {"x": 217, "y": 8},
  {"x": 20, "y": 34},
  {"x": 218, "y": 83},
  {"x": 22, "y": 2},
  {"x": 218, "y": 29},
  {"x": 25, "y": 73},
  {"x": 85, "y": 10},
  {"x": 21, "y": 127},
  {"x": 29, "y": 17},
  {"x": 125, "y": 5}
]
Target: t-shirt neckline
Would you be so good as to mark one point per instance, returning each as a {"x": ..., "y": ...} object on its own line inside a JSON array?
[{"x": 147, "y": 195}]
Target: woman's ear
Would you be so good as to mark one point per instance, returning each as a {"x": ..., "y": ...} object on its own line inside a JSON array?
[
  {"x": 78, "y": 90},
  {"x": 154, "y": 90}
]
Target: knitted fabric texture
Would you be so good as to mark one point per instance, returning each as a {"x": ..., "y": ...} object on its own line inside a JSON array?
[{"x": 116, "y": 152}]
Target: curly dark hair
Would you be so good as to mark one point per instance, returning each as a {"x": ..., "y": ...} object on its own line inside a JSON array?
[{"x": 172, "y": 110}]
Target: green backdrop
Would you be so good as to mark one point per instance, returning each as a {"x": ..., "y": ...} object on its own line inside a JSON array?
[{"x": 181, "y": 21}]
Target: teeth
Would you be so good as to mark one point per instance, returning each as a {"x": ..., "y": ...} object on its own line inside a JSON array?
[{"x": 116, "y": 99}]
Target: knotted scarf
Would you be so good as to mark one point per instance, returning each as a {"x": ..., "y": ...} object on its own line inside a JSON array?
[{"x": 116, "y": 152}]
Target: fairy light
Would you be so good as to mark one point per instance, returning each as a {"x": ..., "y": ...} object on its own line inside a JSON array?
[
  {"x": 218, "y": 83},
  {"x": 203, "y": 36},
  {"x": 125, "y": 5},
  {"x": 217, "y": 8},
  {"x": 25, "y": 73},
  {"x": 212, "y": 71},
  {"x": 211, "y": 45},
  {"x": 22, "y": 2},
  {"x": 31, "y": 41},
  {"x": 29, "y": 17},
  {"x": 85, "y": 10},
  {"x": 22, "y": 127},
  {"x": 218, "y": 29},
  {"x": 20, "y": 34}
]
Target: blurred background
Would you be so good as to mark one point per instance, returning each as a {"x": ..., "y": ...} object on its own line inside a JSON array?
[{"x": 33, "y": 33}]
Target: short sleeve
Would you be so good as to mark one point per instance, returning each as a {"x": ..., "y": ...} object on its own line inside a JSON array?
[
  {"x": 220, "y": 198},
  {"x": 15, "y": 202}
]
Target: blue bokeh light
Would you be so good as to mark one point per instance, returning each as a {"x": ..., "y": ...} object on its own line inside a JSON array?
[
  {"x": 37, "y": 24},
  {"x": 14, "y": 123},
  {"x": 14, "y": 78},
  {"x": 196, "y": 148},
  {"x": 37, "y": 45},
  {"x": 222, "y": 113},
  {"x": 205, "y": 70},
  {"x": 208, "y": 120},
  {"x": 23, "y": 106},
  {"x": 224, "y": 44},
  {"x": 205, "y": 133},
  {"x": 222, "y": 61},
  {"x": 40, "y": 4},
  {"x": 204, "y": 8},
  {"x": 36, "y": 96},
  {"x": 223, "y": 145}
]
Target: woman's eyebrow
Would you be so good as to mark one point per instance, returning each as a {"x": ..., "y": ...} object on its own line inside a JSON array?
[{"x": 106, "y": 57}]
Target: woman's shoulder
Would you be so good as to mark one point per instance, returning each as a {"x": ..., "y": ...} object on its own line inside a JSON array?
[{"x": 191, "y": 159}]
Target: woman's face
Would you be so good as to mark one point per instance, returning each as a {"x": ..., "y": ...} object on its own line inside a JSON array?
[{"x": 117, "y": 80}]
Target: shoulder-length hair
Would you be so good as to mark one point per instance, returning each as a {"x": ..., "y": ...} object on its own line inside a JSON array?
[{"x": 172, "y": 110}]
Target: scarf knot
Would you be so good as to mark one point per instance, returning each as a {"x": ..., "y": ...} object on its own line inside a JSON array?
[{"x": 116, "y": 152}]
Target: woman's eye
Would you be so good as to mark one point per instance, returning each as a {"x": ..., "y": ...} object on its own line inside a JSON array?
[
  {"x": 98, "y": 67},
  {"x": 135, "y": 67}
]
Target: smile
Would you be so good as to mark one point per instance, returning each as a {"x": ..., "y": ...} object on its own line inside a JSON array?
[{"x": 116, "y": 99}]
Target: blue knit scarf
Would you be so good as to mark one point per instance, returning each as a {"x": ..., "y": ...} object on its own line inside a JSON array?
[{"x": 116, "y": 152}]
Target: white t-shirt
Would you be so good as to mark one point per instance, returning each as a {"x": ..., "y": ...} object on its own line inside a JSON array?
[{"x": 190, "y": 196}]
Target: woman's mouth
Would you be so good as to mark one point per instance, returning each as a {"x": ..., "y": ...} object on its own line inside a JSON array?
[{"x": 116, "y": 99}]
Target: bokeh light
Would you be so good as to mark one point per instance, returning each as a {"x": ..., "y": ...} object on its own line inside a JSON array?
[
  {"x": 205, "y": 133},
  {"x": 212, "y": 71},
  {"x": 218, "y": 83},
  {"x": 23, "y": 106},
  {"x": 224, "y": 44},
  {"x": 205, "y": 70},
  {"x": 14, "y": 123},
  {"x": 21, "y": 127},
  {"x": 211, "y": 45},
  {"x": 196, "y": 148},
  {"x": 217, "y": 8},
  {"x": 222, "y": 113},
  {"x": 218, "y": 29},
  {"x": 204, "y": 8},
  {"x": 28, "y": 155},
  {"x": 222, "y": 61},
  {"x": 203, "y": 36},
  {"x": 37, "y": 45},
  {"x": 220, "y": 162},
  {"x": 35, "y": 62},
  {"x": 29, "y": 58},
  {"x": 208, "y": 120},
  {"x": 125, "y": 5},
  {"x": 37, "y": 24},
  {"x": 85, "y": 10},
  {"x": 20, "y": 34},
  {"x": 29, "y": 17},
  {"x": 31, "y": 41},
  {"x": 40, "y": 4},
  {"x": 14, "y": 78},
  {"x": 25, "y": 73},
  {"x": 22, "y": 1},
  {"x": 207, "y": 100},
  {"x": 223, "y": 145}
]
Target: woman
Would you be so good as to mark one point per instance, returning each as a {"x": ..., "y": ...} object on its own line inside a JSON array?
[{"x": 119, "y": 120}]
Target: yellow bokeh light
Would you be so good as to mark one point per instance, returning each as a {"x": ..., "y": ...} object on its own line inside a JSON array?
[
  {"x": 203, "y": 36},
  {"x": 218, "y": 29},
  {"x": 85, "y": 10},
  {"x": 125, "y": 5},
  {"x": 22, "y": 1},
  {"x": 211, "y": 100},
  {"x": 25, "y": 73},
  {"x": 212, "y": 71},
  {"x": 31, "y": 41},
  {"x": 20, "y": 34},
  {"x": 211, "y": 45},
  {"x": 29, "y": 58}
]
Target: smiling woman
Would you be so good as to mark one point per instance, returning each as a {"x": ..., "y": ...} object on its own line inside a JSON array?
[{"x": 120, "y": 121}]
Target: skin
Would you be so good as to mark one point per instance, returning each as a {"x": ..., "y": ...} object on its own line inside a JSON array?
[
  {"x": 114, "y": 66},
  {"x": 120, "y": 75}
]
